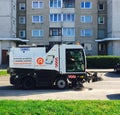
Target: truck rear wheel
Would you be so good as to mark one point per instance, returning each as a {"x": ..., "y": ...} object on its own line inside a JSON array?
[
  {"x": 61, "y": 83},
  {"x": 28, "y": 83}
]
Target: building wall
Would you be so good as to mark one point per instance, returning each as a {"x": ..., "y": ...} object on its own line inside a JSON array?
[
  {"x": 93, "y": 25},
  {"x": 116, "y": 18},
  {"x": 116, "y": 48},
  {"x": 43, "y": 26},
  {"x": 21, "y": 13},
  {"x": 62, "y": 24},
  {"x": 7, "y": 18},
  {"x": 7, "y": 24},
  {"x": 88, "y": 42},
  {"x": 110, "y": 48},
  {"x": 109, "y": 18},
  {"x": 113, "y": 18},
  {"x": 102, "y": 13}
]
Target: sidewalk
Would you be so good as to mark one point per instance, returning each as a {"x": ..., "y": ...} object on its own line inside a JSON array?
[{"x": 100, "y": 70}]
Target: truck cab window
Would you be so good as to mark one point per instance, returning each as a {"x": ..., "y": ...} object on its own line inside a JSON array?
[{"x": 75, "y": 61}]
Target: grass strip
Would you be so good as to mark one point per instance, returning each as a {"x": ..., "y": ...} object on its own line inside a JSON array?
[
  {"x": 49, "y": 107},
  {"x": 3, "y": 73}
]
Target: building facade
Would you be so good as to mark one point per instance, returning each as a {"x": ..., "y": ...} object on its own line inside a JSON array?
[
  {"x": 47, "y": 22},
  {"x": 7, "y": 27},
  {"x": 92, "y": 23},
  {"x": 111, "y": 43}
]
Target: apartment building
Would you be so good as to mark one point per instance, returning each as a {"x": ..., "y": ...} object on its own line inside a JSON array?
[
  {"x": 47, "y": 22},
  {"x": 7, "y": 28},
  {"x": 111, "y": 43}
]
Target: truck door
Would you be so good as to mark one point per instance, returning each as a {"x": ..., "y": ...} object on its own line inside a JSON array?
[
  {"x": 5, "y": 58},
  {"x": 75, "y": 61}
]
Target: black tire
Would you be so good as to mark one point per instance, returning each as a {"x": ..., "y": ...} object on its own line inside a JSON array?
[
  {"x": 28, "y": 83},
  {"x": 61, "y": 83}
]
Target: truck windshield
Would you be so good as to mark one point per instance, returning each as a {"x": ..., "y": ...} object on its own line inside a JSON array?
[{"x": 75, "y": 60}]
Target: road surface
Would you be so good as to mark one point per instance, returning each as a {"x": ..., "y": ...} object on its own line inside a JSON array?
[{"x": 106, "y": 89}]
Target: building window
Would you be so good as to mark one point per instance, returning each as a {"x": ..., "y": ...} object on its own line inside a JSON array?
[
  {"x": 22, "y": 33},
  {"x": 22, "y": 6},
  {"x": 55, "y": 17},
  {"x": 69, "y": 17},
  {"x": 100, "y": 20},
  {"x": 86, "y": 32},
  {"x": 68, "y": 3},
  {"x": 37, "y": 5},
  {"x": 55, "y": 3},
  {"x": 55, "y": 31},
  {"x": 69, "y": 32},
  {"x": 102, "y": 47},
  {"x": 86, "y": 5},
  {"x": 22, "y": 20},
  {"x": 37, "y": 19},
  {"x": 101, "y": 7},
  {"x": 87, "y": 46},
  {"x": 37, "y": 33},
  {"x": 62, "y": 17},
  {"x": 86, "y": 19}
]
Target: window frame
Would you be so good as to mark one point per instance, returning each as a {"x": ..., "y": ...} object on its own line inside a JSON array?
[
  {"x": 55, "y": 4},
  {"x": 22, "y": 5},
  {"x": 83, "y": 5},
  {"x": 40, "y": 5},
  {"x": 54, "y": 17},
  {"x": 39, "y": 33},
  {"x": 99, "y": 20},
  {"x": 99, "y": 7},
  {"x": 88, "y": 46},
  {"x": 68, "y": 32},
  {"x": 84, "y": 32},
  {"x": 40, "y": 19},
  {"x": 23, "y": 20},
  {"x": 84, "y": 20},
  {"x": 70, "y": 19},
  {"x": 24, "y": 33},
  {"x": 59, "y": 31}
]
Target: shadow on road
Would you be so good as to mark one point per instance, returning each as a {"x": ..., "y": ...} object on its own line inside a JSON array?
[
  {"x": 114, "y": 96},
  {"x": 112, "y": 74},
  {"x": 6, "y": 91}
]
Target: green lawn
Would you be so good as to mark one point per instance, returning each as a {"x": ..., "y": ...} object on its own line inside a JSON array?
[
  {"x": 49, "y": 107},
  {"x": 3, "y": 73}
]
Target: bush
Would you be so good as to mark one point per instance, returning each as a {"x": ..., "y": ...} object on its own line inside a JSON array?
[{"x": 102, "y": 62}]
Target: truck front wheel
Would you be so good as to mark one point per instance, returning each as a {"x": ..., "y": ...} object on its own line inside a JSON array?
[
  {"x": 61, "y": 83},
  {"x": 28, "y": 83}
]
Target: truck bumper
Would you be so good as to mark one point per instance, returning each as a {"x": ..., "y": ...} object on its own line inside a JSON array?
[{"x": 15, "y": 81}]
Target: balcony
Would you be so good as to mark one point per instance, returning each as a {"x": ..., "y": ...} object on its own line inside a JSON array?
[{"x": 68, "y": 3}]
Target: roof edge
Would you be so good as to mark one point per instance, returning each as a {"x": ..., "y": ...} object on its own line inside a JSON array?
[
  {"x": 13, "y": 39},
  {"x": 107, "y": 39}
]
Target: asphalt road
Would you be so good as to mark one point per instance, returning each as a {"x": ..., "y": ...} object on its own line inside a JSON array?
[{"x": 106, "y": 89}]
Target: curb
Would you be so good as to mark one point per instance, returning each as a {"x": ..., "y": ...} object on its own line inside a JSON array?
[{"x": 100, "y": 70}]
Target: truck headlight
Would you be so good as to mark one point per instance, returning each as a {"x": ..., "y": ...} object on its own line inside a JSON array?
[{"x": 82, "y": 76}]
